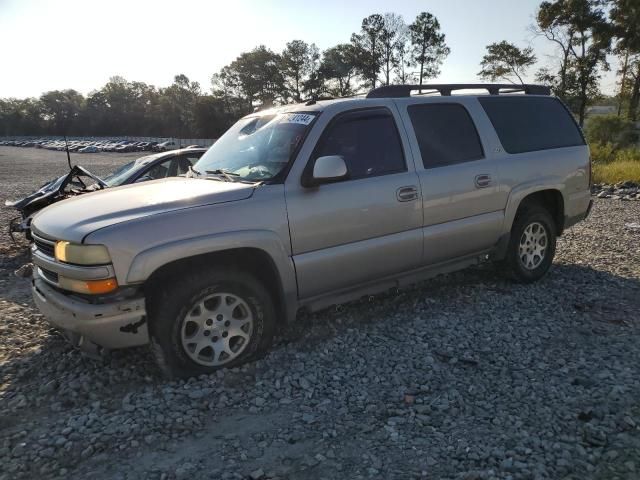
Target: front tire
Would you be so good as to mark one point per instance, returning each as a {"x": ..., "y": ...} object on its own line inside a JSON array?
[
  {"x": 532, "y": 244},
  {"x": 210, "y": 320}
]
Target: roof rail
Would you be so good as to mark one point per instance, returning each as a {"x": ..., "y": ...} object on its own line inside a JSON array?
[{"x": 445, "y": 89}]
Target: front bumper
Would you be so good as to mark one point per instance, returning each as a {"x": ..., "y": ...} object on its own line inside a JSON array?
[{"x": 88, "y": 326}]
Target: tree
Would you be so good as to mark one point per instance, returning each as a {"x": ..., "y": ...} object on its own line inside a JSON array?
[
  {"x": 299, "y": 65},
  {"x": 428, "y": 45},
  {"x": 254, "y": 76},
  {"x": 338, "y": 69},
  {"x": 393, "y": 38},
  {"x": 403, "y": 59},
  {"x": 21, "y": 117},
  {"x": 583, "y": 24},
  {"x": 505, "y": 60},
  {"x": 313, "y": 84},
  {"x": 177, "y": 105},
  {"x": 634, "y": 87},
  {"x": 617, "y": 131},
  {"x": 548, "y": 24},
  {"x": 368, "y": 48},
  {"x": 60, "y": 109},
  {"x": 625, "y": 18}
]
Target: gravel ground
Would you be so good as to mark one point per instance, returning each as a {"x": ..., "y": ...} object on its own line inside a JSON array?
[{"x": 466, "y": 376}]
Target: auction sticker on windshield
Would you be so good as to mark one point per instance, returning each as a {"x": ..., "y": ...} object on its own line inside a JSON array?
[{"x": 301, "y": 118}]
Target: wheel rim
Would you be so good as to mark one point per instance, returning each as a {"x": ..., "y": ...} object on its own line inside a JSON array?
[
  {"x": 533, "y": 246},
  {"x": 217, "y": 329}
]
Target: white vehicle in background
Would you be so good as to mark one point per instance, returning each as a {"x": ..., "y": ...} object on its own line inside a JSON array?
[
  {"x": 168, "y": 145},
  {"x": 89, "y": 149}
]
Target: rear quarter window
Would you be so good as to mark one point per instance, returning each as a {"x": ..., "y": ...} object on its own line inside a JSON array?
[{"x": 527, "y": 124}]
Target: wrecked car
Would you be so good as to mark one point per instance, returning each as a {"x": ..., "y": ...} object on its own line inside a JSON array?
[{"x": 79, "y": 180}]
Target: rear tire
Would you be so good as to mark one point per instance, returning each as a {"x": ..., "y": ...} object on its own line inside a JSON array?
[
  {"x": 210, "y": 320},
  {"x": 532, "y": 244}
]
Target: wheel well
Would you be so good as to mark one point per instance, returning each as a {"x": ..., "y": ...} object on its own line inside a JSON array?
[
  {"x": 251, "y": 260},
  {"x": 552, "y": 201}
]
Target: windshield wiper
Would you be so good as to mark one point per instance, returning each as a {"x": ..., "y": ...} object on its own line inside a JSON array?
[{"x": 226, "y": 174}]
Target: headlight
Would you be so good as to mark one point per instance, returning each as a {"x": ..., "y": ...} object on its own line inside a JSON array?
[{"x": 82, "y": 254}]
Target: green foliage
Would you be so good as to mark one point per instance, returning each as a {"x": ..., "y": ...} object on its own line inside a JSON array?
[
  {"x": 428, "y": 47},
  {"x": 384, "y": 50},
  {"x": 628, "y": 155},
  {"x": 504, "y": 60},
  {"x": 581, "y": 30},
  {"x": 338, "y": 69},
  {"x": 368, "y": 47},
  {"x": 255, "y": 76},
  {"x": 299, "y": 64},
  {"x": 602, "y": 152},
  {"x": 611, "y": 129}
]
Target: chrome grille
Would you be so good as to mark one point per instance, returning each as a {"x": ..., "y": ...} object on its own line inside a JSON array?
[{"x": 45, "y": 246}]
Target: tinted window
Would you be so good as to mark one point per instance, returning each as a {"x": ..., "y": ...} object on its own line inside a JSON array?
[
  {"x": 526, "y": 124},
  {"x": 368, "y": 142},
  {"x": 446, "y": 134}
]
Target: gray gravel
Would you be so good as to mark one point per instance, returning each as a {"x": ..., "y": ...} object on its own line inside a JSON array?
[{"x": 466, "y": 376}]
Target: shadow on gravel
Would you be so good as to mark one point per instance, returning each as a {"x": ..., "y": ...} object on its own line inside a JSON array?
[
  {"x": 593, "y": 294},
  {"x": 603, "y": 300},
  {"x": 480, "y": 347}
]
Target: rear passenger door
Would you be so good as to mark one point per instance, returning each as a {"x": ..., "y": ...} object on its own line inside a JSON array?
[{"x": 462, "y": 205}]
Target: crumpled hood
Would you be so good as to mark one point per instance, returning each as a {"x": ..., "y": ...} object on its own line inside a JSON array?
[{"x": 76, "y": 217}]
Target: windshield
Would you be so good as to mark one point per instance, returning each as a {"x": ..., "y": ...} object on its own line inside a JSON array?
[
  {"x": 124, "y": 172},
  {"x": 121, "y": 174},
  {"x": 256, "y": 148}
]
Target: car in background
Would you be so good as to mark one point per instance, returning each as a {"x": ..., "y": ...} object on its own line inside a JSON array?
[
  {"x": 89, "y": 149},
  {"x": 164, "y": 146},
  {"x": 79, "y": 181}
]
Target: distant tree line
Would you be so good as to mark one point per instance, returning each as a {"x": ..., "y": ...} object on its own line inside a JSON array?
[{"x": 384, "y": 51}]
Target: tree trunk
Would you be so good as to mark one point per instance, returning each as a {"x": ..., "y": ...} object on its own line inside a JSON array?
[
  {"x": 583, "y": 105},
  {"x": 424, "y": 49},
  {"x": 622, "y": 81},
  {"x": 635, "y": 97}
]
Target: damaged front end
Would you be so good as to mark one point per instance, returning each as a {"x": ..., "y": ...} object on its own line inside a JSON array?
[{"x": 78, "y": 181}]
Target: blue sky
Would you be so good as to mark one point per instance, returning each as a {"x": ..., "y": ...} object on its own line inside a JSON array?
[{"x": 48, "y": 44}]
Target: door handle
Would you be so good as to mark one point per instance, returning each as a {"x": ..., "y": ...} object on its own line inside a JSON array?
[
  {"x": 406, "y": 194},
  {"x": 483, "y": 180}
]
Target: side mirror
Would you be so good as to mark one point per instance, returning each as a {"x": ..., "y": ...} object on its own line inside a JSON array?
[{"x": 328, "y": 169}]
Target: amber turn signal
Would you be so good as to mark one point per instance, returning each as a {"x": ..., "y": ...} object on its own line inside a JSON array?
[{"x": 91, "y": 287}]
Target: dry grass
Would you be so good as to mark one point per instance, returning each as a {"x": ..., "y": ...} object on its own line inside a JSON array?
[{"x": 616, "y": 171}]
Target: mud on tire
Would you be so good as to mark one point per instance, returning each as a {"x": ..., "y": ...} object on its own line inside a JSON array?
[{"x": 209, "y": 320}]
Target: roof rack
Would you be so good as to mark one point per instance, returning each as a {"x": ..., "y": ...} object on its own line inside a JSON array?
[{"x": 445, "y": 89}]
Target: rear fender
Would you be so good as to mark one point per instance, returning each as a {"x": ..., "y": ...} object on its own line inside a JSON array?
[{"x": 523, "y": 190}]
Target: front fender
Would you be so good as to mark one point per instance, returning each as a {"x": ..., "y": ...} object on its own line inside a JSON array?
[{"x": 148, "y": 261}]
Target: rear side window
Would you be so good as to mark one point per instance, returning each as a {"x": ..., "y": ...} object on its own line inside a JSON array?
[
  {"x": 527, "y": 124},
  {"x": 446, "y": 134},
  {"x": 368, "y": 141}
]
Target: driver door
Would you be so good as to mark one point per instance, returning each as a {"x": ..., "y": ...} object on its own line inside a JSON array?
[{"x": 366, "y": 226}]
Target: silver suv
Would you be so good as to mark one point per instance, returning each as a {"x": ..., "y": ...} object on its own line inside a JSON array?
[{"x": 310, "y": 205}]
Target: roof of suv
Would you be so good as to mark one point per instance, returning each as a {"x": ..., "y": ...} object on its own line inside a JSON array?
[{"x": 404, "y": 91}]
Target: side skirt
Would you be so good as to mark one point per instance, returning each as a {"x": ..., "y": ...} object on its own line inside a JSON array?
[{"x": 319, "y": 302}]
